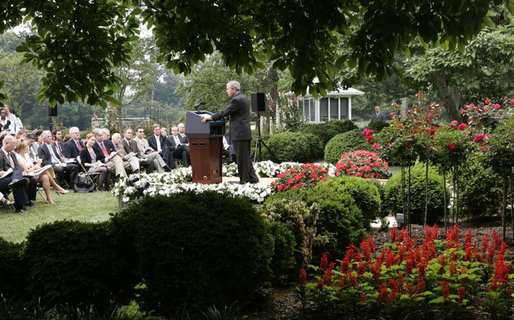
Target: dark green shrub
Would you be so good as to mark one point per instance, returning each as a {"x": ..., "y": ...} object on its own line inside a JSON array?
[
  {"x": 377, "y": 126},
  {"x": 299, "y": 218},
  {"x": 339, "y": 222},
  {"x": 12, "y": 271},
  {"x": 74, "y": 263},
  {"x": 195, "y": 250},
  {"x": 327, "y": 130},
  {"x": 363, "y": 191},
  {"x": 294, "y": 146},
  {"x": 392, "y": 195},
  {"x": 345, "y": 142},
  {"x": 283, "y": 264},
  {"x": 480, "y": 188}
]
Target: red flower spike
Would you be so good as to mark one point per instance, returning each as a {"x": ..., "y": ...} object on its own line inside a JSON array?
[{"x": 302, "y": 278}]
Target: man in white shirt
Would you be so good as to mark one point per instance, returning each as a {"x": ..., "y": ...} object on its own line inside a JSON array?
[
  {"x": 182, "y": 132},
  {"x": 48, "y": 153},
  {"x": 160, "y": 144},
  {"x": 178, "y": 147},
  {"x": 16, "y": 124}
]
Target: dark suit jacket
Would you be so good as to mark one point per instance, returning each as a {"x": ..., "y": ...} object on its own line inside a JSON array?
[
  {"x": 153, "y": 143},
  {"x": 130, "y": 146},
  {"x": 70, "y": 150},
  {"x": 4, "y": 162},
  {"x": 380, "y": 117},
  {"x": 171, "y": 141},
  {"x": 184, "y": 138},
  {"x": 44, "y": 154},
  {"x": 98, "y": 150},
  {"x": 239, "y": 112}
]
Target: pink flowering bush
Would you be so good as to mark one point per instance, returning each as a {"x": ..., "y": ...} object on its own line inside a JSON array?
[
  {"x": 300, "y": 176},
  {"x": 361, "y": 163},
  {"x": 487, "y": 114}
]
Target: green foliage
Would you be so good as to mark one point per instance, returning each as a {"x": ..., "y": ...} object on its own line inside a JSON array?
[
  {"x": 74, "y": 263},
  {"x": 327, "y": 130},
  {"x": 345, "y": 142},
  {"x": 363, "y": 191},
  {"x": 377, "y": 126},
  {"x": 195, "y": 250},
  {"x": 480, "y": 189},
  {"x": 13, "y": 275},
  {"x": 294, "y": 147},
  {"x": 392, "y": 195},
  {"x": 283, "y": 265},
  {"x": 300, "y": 218}
]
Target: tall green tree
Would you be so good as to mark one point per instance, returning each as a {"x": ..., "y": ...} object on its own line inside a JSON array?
[
  {"x": 78, "y": 42},
  {"x": 483, "y": 70}
]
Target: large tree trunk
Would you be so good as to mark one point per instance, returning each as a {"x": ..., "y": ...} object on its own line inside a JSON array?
[{"x": 450, "y": 96}]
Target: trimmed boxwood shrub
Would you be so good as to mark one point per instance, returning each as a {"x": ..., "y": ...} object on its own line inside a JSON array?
[
  {"x": 340, "y": 221},
  {"x": 12, "y": 272},
  {"x": 294, "y": 146},
  {"x": 327, "y": 130},
  {"x": 73, "y": 263},
  {"x": 481, "y": 191},
  {"x": 392, "y": 195},
  {"x": 283, "y": 263},
  {"x": 195, "y": 250},
  {"x": 377, "y": 126},
  {"x": 345, "y": 142},
  {"x": 363, "y": 191}
]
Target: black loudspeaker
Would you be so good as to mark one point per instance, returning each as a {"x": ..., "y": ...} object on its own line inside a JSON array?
[
  {"x": 258, "y": 102},
  {"x": 51, "y": 112}
]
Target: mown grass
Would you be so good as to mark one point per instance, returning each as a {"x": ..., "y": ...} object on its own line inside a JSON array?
[{"x": 87, "y": 207}]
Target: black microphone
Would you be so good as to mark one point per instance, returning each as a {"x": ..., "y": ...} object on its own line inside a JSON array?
[{"x": 197, "y": 105}]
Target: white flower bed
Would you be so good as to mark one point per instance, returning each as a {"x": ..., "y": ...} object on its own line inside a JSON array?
[{"x": 137, "y": 186}]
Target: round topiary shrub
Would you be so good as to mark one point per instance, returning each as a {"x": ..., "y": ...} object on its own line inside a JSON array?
[
  {"x": 392, "y": 195},
  {"x": 12, "y": 271},
  {"x": 294, "y": 147},
  {"x": 327, "y": 130},
  {"x": 363, "y": 191},
  {"x": 345, "y": 142},
  {"x": 73, "y": 263},
  {"x": 195, "y": 250}
]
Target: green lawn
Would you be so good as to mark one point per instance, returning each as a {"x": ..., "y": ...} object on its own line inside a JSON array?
[{"x": 88, "y": 207}]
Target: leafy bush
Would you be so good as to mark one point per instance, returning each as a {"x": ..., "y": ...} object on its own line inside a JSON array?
[
  {"x": 363, "y": 191},
  {"x": 283, "y": 264},
  {"x": 73, "y": 263},
  {"x": 480, "y": 188},
  {"x": 12, "y": 272},
  {"x": 195, "y": 250},
  {"x": 361, "y": 163},
  {"x": 299, "y": 218},
  {"x": 327, "y": 130},
  {"x": 299, "y": 176},
  {"x": 294, "y": 147},
  {"x": 345, "y": 142},
  {"x": 377, "y": 126},
  {"x": 392, "y": 195}
]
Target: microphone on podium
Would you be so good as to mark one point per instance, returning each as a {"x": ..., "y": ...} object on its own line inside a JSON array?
[{"x": 197, "y": 105}]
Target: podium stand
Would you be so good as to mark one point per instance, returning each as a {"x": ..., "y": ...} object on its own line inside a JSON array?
[{"x": 206, "y": 146}]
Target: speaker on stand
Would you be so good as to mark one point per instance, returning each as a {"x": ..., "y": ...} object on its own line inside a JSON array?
[
  {"x": 51, "y": 112},
  {"x": 258, "y": 105}
]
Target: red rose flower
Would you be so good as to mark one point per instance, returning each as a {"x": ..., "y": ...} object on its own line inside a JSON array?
[
  {"x": 462, "y": 126},
  {"x": 486, "y": 101},
  {"x": 497, "y": 106},
  {"x": 451, "y": 147}
]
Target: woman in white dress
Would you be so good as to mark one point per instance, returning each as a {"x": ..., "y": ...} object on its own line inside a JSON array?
[{"x": 28, "y": 166}]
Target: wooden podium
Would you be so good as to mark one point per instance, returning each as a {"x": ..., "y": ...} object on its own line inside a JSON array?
[{"x": 206, "y": 146}]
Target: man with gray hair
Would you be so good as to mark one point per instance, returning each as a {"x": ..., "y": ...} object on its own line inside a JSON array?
[
  {"x": 13, "y": 180},
  {"x": 50, "y": 156},
  {"x": 72, "y": 148},
  {"x": 240, "y": 131}
]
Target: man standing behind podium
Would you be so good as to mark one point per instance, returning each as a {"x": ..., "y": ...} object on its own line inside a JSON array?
[{"x": 240, "y": 131}]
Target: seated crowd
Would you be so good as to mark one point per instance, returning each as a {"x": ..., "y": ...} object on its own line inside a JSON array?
[{"x": 50, "y": 159}]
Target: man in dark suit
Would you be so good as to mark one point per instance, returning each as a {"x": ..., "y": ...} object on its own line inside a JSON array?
[
  {"x": 378, "y": 116},
  {"x": 161, "y": 146},
  {"x": 71, "y": 149},
  {"x": 130, "y": 147},
  {"x": 179, "y": 147},
  {"x": 182, "y": 132},
  {"x": 15, "y": 180},
  {"x": 106, "y": 153},
  {"x": 50, "y": 156},
  {"x": 57, "y": 141},
  {"x": 240, "y": 131}
]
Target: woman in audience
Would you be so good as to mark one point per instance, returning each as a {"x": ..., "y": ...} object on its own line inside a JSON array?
[
  {"x": 28, "y": 167},
  {"x": 39, "y": 140},
  {"x": 88, "y": 159}
]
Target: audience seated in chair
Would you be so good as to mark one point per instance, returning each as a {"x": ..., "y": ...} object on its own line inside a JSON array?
[
  {"x": 129, "y": 146},
  {"x": 159, "y": 143},
  {"x": 105, "y": 153},
  {"x": 93, "y": 165},
  {"x": 49, "y": 156},
  {"x": 13, "y": 181},
  {"x": 179, "y": 147},
  {"x": 130, "y": 160},
  {"x": 28, "y": 167},
  {"x": 144, "y": 151}
]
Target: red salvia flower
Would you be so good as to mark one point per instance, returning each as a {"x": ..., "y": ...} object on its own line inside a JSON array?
[
  {"x": 302, "y": 278},
  {"x": 461, "y": 291},
  {"x": 324, "y": 262},
  {"x": 445, "y": 289}
]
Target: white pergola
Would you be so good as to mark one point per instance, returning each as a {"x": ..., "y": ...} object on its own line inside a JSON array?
[{"x": 336, "y": 105}]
